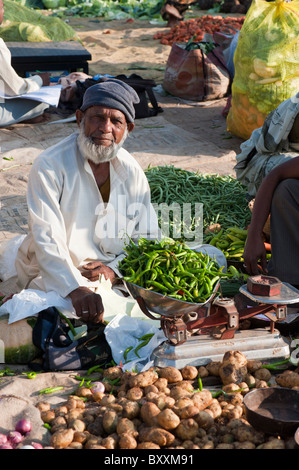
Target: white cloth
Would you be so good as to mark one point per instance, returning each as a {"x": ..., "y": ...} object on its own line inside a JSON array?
[
  {"x": 69, "y": 225},
  {"x": 10, "y": 82}
]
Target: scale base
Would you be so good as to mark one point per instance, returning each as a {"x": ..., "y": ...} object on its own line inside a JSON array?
[{"x": 257, "y": 344}]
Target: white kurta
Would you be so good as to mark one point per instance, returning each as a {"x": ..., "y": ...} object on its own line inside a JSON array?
[
  {"x": 69, "y": 224},
  {"x": 10, "y": 82}
]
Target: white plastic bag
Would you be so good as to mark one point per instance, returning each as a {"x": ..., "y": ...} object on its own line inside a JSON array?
[
  {"x": 123, "y": 332},
  {"x": 8, "y": 253}
]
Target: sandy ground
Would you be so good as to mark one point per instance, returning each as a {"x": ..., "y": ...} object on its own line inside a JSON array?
[{"x": 189, "y": 135}]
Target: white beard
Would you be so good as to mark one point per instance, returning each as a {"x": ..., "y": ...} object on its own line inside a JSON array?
[{"x": 98, "y": 153}]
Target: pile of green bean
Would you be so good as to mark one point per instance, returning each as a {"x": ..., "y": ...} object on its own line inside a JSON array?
[
  {"x": 223, "y": 197},
  {"x": 170, "y": 268}
]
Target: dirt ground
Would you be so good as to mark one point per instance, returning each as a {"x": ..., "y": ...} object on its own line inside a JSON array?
[{"x": 189, "y": 135}]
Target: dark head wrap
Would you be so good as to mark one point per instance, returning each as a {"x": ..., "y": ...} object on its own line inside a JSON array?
[{"x": 114, "y": 94}]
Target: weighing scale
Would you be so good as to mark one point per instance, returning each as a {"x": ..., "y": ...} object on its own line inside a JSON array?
[{"x": 216, "y": 323}]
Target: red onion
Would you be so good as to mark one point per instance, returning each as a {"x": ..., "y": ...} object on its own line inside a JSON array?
[
  {"x": 3, "y": 439},
  {"x": 98, "y": 387},
  {"x": 23, "y": 426},
  {"x": 6, "y": 446},
  {"x": 14, "y": 437},
  {"x": 36, "y": 445}
]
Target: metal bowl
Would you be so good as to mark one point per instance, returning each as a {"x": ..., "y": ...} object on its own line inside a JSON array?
[
  {"x": 164, "y": 305},
  {"x": 273, "y": 410}
]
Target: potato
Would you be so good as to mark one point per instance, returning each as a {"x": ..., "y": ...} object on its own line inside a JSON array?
[
  {"x": 110, "y": 442},
  {"x": 143, "y": 379},
  {"x": 215, "y": 408},
  {"x": 148, "y": 445},
  {"x": 224, "y": 445},
  {"x": 48, "y": 416},
  {"x": 80, "y": 437},
  {"x": 77, "y": 425},
  {"x": 261, "y": 384},
  {"x": 253, "y": 365},
  {"x": 131, "y": 410},
  {"x": 189, "y": 372},
  {"x": 110, "y": 420},
  {"x": 204, "y": 420},
  {"x": 190, "y": 411},
  {"x": 43, "y": 406},
  {"x": 232, "y": 387},
  {"x": 263, "y": 374},
  {"x": 183, "y": 402},
  {"x": 250, "y": 380},
  {"x": 125, "y": 426},
  {"x": 202, "y": 399},
  {"x": 112, "y": 373},
  {"x": 187, "y": 429},
  {"x": 213, "y": 368},
  {"x": 127, "y": 441},
  {"x": 203, "y": 372},
  {"x": 168, "y": 420},
  {"x": 233, "y": 368},
  {"x": 62, "y": 439},
  {"x": 135, "y": 393},
  {"x": 244, "y": 445},
  {"x": 84, "y": 392},
  {"x": 161, "y": 384},
  {"x": 151, "y": 388},
  {"x": 156, "y": 435},
  {"x": 75, "y": 402},
  {"x": 108, "y": 400},
  {"x": 274, "y": 444},
  {"x": 288, "y": 379},
  {"x": 149, "y": 412},
  {"x": 177, "y": 392},
  {"x": 171, "y": 374}
]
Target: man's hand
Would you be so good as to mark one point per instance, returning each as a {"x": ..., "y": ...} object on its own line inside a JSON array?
[
  {"x": 88, "y": 305},
  {"x": 93, "y": 270},
  {"x": 45, "y": 76},
  {"x": 254, "y": 253}
]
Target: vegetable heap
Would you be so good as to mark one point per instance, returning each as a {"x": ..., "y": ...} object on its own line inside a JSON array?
[
  {"x": 223, "y": 197},
  {"x": 197, "y": 27},
  {"x": 110, "y": 9},
  {"x": 171, "y": 268},
  {"x": 231, "y": 242}
]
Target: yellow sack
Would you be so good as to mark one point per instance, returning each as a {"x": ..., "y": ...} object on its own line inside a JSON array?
[{"x": 266, "y": 64}]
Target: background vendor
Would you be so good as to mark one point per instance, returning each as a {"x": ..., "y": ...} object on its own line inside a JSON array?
[{"x": 13, "y": 111}]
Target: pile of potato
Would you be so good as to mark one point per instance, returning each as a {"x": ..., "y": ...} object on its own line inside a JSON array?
[{"x": 164, "y": 408}]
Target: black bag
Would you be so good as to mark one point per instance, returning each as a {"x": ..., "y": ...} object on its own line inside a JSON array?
[
  {"x": 60, "y": 352},
  {"x": 143, "y": 87}
]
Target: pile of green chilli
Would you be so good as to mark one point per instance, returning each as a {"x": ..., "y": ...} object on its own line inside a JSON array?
[{"x": 172, "y": 269}]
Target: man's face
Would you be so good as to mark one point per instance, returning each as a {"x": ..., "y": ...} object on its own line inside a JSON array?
[
  {"x": 104, "y": 126},
  {"x": 1, "y": 11},
  {"x": 102, "y": 132}
]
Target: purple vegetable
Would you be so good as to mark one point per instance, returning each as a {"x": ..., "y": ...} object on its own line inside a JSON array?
[
  {"x": 14, "y": 437},
  {"x": 98, "y": 387},
  {"x": 6, "y": 446},
  {"x": 3, "y": 439},
  {"x": 36, "y": 445},
  {"x": 23, "y": 426}
]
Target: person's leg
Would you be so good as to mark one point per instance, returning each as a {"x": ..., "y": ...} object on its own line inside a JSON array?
[
  {"x": 19, "y": 110},
  {"x": 284, "y": 262}
]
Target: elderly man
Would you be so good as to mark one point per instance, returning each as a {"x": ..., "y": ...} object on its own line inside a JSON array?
[
  {"x": 86, "y": 196},
  {"x": 17, "y": 110}
]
